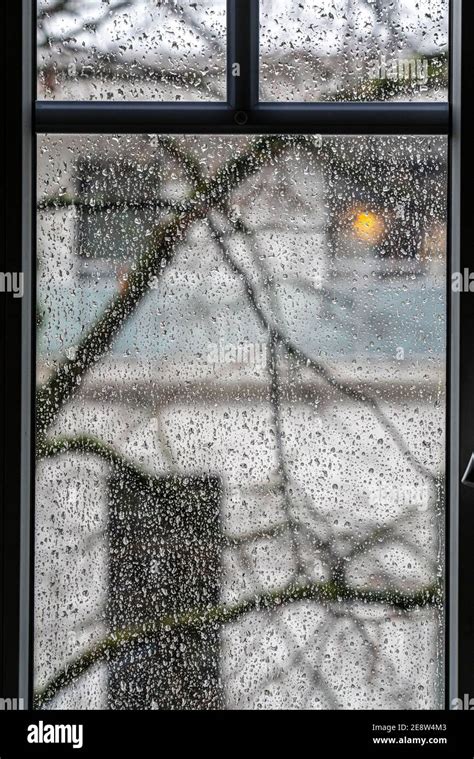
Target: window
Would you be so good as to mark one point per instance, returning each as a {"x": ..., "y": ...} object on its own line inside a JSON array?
[
  {"x": 139, "y": 51},
  {"x": 351, "y": 51},
  {"x": 248, "y": 381},
  {"x": 119, "y": 203},
  {"x": 322, "y": 373}
]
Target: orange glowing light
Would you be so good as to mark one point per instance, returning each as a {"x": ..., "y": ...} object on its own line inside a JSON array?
[{"x": 369, "y": 227}]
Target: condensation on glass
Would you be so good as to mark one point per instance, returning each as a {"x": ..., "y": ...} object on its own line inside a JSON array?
[
  {"x": 140, "y": 49},
  {"x": 241, "y": 422},
  {"x": 357, "y": 50}
]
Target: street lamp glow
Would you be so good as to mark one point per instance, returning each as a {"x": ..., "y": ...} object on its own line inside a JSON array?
[{"x": 368, "y": 227}]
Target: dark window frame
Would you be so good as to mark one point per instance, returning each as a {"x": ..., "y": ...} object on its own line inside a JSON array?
[{"x": 242, "y": 113}]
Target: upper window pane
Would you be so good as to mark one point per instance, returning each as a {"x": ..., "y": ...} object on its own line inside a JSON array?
[
  {"x": 142, "y": 49},
  {"x": 320, "y": 50}
]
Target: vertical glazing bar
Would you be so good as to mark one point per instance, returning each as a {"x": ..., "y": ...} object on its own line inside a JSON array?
[
  {"x": 453, "y": 465},
  {"x": 465, "y": 225},
  {"x": 16, "y": 347},
  {"x": 242, "y": 55}
]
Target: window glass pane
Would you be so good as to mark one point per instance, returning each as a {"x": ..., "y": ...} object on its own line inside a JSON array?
[
  {"x": 141, "y": 49},
  {"x": 241, "y": 422},
  {"x": 353, "y": 50}
]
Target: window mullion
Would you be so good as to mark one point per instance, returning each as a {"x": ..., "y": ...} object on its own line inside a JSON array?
[{"x": 242, "y": 56}]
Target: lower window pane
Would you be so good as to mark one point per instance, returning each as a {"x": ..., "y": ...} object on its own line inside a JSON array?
[{"x": 241, "y": 422}]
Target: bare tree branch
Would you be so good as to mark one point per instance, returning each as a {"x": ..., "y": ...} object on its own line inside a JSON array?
[
  {"x": 294, "y": 351},
  {"x": 211, "y": 194},
  {"x": 325, "y": 593}
]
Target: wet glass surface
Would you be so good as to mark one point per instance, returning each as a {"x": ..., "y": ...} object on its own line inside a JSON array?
[
  {"x": 241, "y": 416},
  {"x": 355, "y": 50},
  {"x": 131, "y": 50}
]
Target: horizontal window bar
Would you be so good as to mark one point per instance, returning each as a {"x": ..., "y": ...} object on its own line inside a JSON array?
[{"x": 213, "y": 118}]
